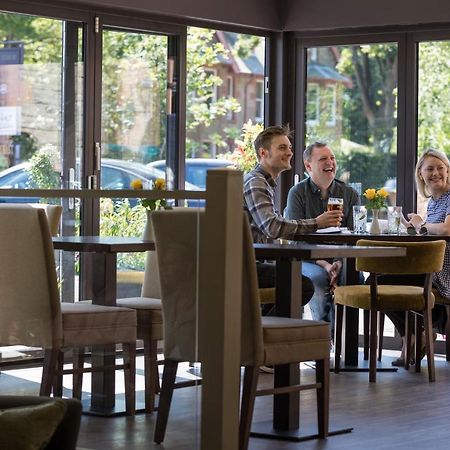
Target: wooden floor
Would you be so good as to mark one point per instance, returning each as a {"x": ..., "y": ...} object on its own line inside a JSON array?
[{"x": 402, "y": 410}]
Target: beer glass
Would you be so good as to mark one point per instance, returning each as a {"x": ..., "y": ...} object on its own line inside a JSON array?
[{"x": 335, "y": 203}]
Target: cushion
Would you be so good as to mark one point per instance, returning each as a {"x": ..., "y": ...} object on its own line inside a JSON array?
[
  {"x": 390, "y": 297},
  {"x": 87, "y": 324},
  {"x": 149, "y": 315},
  {"x": 294, "y": 340},
  {"x": 30, "y": 427}
]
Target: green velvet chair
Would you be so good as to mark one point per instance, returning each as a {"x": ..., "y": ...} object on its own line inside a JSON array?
[{"x": 421, "y": 258}]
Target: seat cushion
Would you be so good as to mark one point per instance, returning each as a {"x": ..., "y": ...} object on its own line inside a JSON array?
[
  {"x": 30, "y": 427},
  {"x": 390, "y": 297},
  {"x": 87, "y": 324},
  {"x": 294, "y": 340},
  {"x": 149, "y": 316}
]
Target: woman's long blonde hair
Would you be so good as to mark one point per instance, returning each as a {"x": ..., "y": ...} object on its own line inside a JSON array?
[{"x": 420, "y": 183}]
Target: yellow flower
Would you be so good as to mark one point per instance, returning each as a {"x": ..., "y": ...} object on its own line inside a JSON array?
[
  {"x": 136, "y": 184},
  {"x": 375, "y": 198},
  {"x": 159, "y": 184},
  {"x": 370, "y": 194},
  {"x": 382, "y": 193}
]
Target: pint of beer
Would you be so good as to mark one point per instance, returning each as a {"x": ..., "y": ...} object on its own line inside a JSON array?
[{"x": 335, "y": 203}]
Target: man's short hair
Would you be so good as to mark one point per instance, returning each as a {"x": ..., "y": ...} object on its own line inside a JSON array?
[
  {"x": 309, "y": 149},
  {"x": 264, "y": 139}
]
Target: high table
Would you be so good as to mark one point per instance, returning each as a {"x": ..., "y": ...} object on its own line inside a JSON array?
[
  {"x": 351, "y": 322},
  {"x": 288, "y": 259},
  {"x": 104, "y": 292}
]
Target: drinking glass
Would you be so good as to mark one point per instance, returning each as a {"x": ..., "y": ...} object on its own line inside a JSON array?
[
  {"x": 359, "y": 219},
  {"x": 394, "y": 219},
  {"x": 335, "y": 203}
]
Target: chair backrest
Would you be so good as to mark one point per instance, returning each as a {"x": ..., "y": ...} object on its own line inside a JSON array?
[
  {"x": 421, "y": 258},
  {"x": 151, "y": 287},
  {"x": 53, "y": 212},
  {"x": 177, "y": 237},
  {"x": 29, "y": 299}
]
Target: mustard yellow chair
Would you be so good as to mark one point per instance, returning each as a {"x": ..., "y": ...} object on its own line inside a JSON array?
[
  {"x": 265, "y": 340},
  {"x": 421, "y": 258},
  {"x": 32, "y": 314}
]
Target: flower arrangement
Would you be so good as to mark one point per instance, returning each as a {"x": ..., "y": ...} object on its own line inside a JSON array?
[
  {"x": 376, "y": 198},
  {"x": 148, "y": 203},
  {"x": 244, "y": 155}
]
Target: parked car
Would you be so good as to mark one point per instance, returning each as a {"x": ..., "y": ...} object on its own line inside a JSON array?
[
  {"x": 196, "y": 169},
  {"x": 115, "y": 174}
]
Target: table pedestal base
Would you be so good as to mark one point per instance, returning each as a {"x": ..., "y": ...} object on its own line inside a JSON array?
[
  {"x": 117, "y": 410},
  {"x": 265, "y": 430}
]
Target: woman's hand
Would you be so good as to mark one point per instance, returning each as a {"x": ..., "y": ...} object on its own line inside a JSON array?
[{"x": 415, "y": 220}]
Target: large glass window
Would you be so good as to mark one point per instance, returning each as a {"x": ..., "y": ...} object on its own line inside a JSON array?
[
  {"x": 351, "y": 103},
  {"x": 434, "y": 102},
  {"x": 225, "y": 90}
]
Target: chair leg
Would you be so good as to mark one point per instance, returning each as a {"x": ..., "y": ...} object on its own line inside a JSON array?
[
  {"x": 323, "y": 396},
  {"x": 58, "y": 380},
  {"x": 373, "y": 346},
  {"x": 78, "y": 364},
  {"x": 447, "y": 333},
  {"x": 129, "y": 360},
  {"x": 429, "y": 340},
  {"x": 151, "y": 375},
  {"x": 418, "y": 342},
  {"x": 165, "y": 398},
  {"x": 408, "y": 336},
  {"x": 381, "y": 317},
  {"x": 48, "y": 371},
  {"x": 338, "y": 337},
  {"x": 366, "y": 334},
  {"x": 247, "y": 404}
]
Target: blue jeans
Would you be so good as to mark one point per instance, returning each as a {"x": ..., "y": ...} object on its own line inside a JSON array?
[{"x": 321, "y": 303}]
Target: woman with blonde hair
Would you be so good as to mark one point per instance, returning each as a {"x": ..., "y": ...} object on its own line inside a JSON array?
[{"x": 433, "y": 182}]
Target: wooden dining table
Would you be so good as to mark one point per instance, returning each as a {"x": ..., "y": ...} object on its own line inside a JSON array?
[
  {"x": 288, "y": 257},
  {"x": 103, "y": 277}
]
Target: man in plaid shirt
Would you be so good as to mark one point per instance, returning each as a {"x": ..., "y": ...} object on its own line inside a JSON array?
[{"x": 274, "y": 152}]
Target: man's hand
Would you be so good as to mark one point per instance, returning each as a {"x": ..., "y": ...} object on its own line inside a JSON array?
[
  {"x": 329, "y": 219},
  {"x": 333, "y": 271}
]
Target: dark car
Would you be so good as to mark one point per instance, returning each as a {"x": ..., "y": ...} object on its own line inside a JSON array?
[
  {"x": 196, "y": 169},
  {"x": 115, "y": 174}
]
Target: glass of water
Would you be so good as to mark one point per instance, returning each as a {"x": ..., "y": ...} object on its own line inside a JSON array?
[
  {"x": 359, "y": 219},
  {"x": 394, "y": 219}
]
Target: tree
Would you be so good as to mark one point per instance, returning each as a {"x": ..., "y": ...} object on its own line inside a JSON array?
[
  {"x": 373, "y": 68},
  {"x": 434, "y": 96}
]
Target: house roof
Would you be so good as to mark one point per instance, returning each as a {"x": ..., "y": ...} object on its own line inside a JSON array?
[
  {"x": 253, "y": 64},
  {"x": 319, "y": 72}
]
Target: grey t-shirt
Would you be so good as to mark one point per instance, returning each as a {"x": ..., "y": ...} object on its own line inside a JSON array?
[{"x": 304, "y": 201}]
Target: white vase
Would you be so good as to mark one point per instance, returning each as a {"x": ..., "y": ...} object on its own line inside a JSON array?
[
  {"x": 148, "y": 235},
  {"x": 375, "y": 225}
]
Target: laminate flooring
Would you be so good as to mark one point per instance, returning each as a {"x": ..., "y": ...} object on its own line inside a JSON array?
[{"x": 402, "y": 411}]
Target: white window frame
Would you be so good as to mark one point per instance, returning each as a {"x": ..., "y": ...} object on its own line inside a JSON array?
[
  {"x": 316, "y": 87},
  {"x": 331, "y": 107},
  {"x": 259, "y": 101}
]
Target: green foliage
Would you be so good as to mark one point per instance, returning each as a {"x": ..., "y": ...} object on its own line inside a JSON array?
[
  {"x": 373, "y": 71},
  {"x": 120, "y": 219},
  {"x": 371, "y": 169},
  {"x": 28, "y": 144},
  {"x": 434, "y": 96},
  {"x": 244, "y": 155}
]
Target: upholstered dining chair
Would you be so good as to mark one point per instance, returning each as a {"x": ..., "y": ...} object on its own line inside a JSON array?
[
  {"x": 265, "y": 340},
  {"x": 149, "y": 326},
  {"x": 421, "y": 258},
  {"x": 445, "y": 301},
  {"x": 32, "y": 314}
]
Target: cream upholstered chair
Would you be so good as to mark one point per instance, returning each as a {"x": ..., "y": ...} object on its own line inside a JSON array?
[
  {"x": 149, "y": 326},
  {"x": 421, "y": 258},
  {"x": 32, "y": 314},
  {"x": 265, "y": 340}
]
